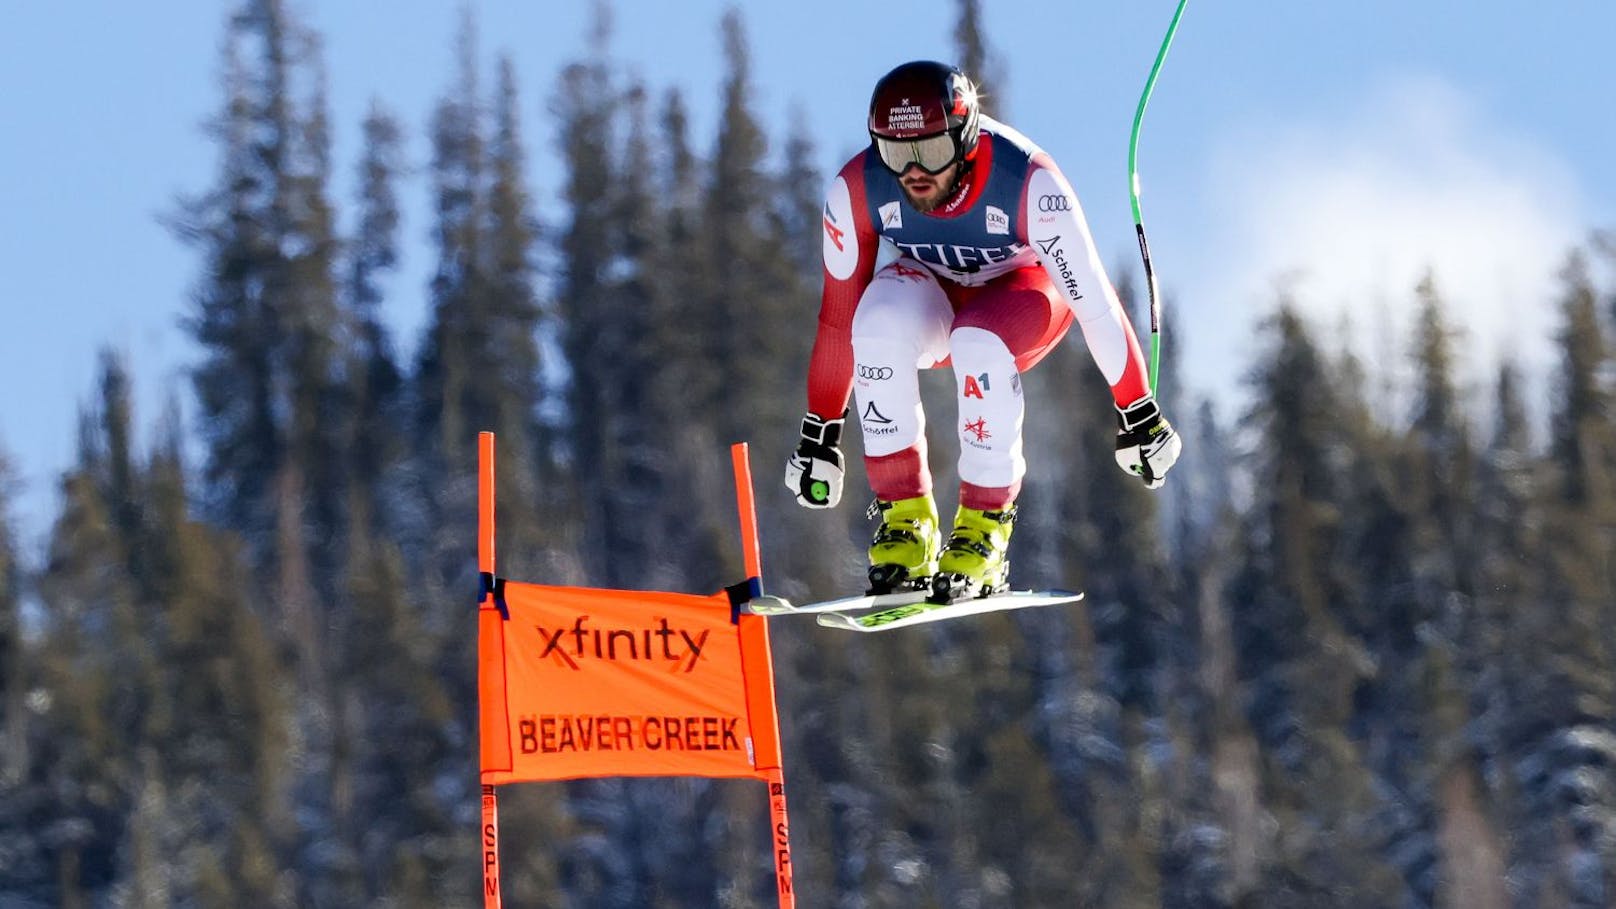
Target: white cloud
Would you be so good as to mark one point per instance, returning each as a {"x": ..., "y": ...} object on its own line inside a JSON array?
[{"x": 1348, "y": 207}]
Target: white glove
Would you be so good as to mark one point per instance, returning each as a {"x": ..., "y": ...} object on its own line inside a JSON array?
[
  {"x": 814, "y": 472},
  {"x": 1147, "y": 445}
]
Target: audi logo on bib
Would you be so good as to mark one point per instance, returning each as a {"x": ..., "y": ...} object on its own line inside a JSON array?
[
  {"x": 874, "y": 372},
  {"x": 1054, "y": 203}
]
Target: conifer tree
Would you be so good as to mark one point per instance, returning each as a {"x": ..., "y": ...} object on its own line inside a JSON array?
[
  {"x": 745, "y": 334},
  {"x": 1582, "y": 412},
  {"x": 1295, "y": 627},
  {"x": 595, "y": 327},
  {"x": 478, "y": 366},
  {"x": 266, "y": 312},
  {"x": 756, "y": 291},
  {"x": 405, "y": 736},
  {"x": 17, "y": 839},
  {"x": 378, "y": 733},
  {"x": 635, "y": 461},
  {"x": 1501, "y": 669},
  {"x": 163, "y": 741},
  {"x": 798, "y": 211},
  {"x": 1560, "y": 737},
  {"x": 96, "y": 665},
  {"x": 452, "y": 404},
  {"x": 1411, "y": 491},
  {"x": 1443, "y": 461},
  {"x": 681, "y": 412},
  {"x": 218, "y": 746},
  {"x": 517, "y": 317},
  {"x": 478, "y": 369},
  {"x": 1508, "y": 497},
  {"x": 621, "y": 295},
  {"x": 974, "y": 59},
  {"x": 375, "y": 382},
  {"x": 374, "y": 446},
  {"x": 268, "y": 322}
]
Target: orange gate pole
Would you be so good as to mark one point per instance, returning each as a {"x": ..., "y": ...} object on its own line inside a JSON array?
[
  {"x": 485, "y": 567},
  {"x": 755, "y": 643}
]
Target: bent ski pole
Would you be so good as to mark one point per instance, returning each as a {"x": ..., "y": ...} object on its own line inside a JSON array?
[{"x": 1133, "y": 192}]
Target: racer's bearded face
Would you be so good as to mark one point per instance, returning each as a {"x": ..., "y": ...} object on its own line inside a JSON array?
[{"x": 927, "y": 191}]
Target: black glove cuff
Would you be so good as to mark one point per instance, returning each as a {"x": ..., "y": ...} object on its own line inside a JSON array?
[
  {"x": 1138, "y": 415},
  {"x": 821, "y": 431}
]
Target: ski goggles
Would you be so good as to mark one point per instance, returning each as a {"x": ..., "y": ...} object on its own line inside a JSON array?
[{"x": 933, "y": 154}]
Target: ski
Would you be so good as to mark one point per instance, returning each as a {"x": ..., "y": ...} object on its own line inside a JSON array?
[
  {"x": 771, "y": 605},
  {"x": 921, "y": 611}
]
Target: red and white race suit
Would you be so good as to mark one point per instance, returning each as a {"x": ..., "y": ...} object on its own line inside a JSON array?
[{"x": 988, "y": 282}]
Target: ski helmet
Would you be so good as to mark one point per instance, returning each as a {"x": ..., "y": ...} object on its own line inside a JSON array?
[{"x": 924, "y": 113}]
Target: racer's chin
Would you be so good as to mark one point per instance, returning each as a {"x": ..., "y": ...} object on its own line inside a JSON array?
[{"x": 925, "y": 193}]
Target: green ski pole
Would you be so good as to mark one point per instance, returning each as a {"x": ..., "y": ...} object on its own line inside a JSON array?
[{"x": 1133, "y": 192}]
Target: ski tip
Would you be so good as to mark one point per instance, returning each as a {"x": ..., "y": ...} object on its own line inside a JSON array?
[{"x": 769, "y": 605}]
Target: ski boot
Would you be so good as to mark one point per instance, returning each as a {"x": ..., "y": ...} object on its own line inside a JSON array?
[
  {"x": 903, "y": 555},
  {"x": 976, "y": 561}
]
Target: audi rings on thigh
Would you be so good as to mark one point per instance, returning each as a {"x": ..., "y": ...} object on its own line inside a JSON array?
[{"x": 874, "y": 373}]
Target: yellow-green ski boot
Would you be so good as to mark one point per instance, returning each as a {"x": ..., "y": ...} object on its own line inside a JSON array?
[
  {"x": 976, "y": 560},
  {"x": 903, "y": 555}
]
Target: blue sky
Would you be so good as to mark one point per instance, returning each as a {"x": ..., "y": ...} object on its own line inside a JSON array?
[{"x": 1333, "y": 148}]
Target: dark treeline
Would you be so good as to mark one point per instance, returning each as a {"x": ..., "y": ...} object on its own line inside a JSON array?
[{"x": 1348, "y": 657}]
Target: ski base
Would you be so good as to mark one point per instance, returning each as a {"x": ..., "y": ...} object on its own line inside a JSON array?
[{"x": 769, "y": 605}]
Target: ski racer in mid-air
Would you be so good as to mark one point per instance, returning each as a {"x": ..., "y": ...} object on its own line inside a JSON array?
[{"x": 985, "y": 262}]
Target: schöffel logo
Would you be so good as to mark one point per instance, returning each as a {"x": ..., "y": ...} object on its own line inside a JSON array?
[
  {"x": 1054, "y": 203},
  {"x": 1052, "y": 249},
  {"x": 875, "y": 373},
  {"x": 660, "y": 643},
  {"x": 876, "y": 423}
]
